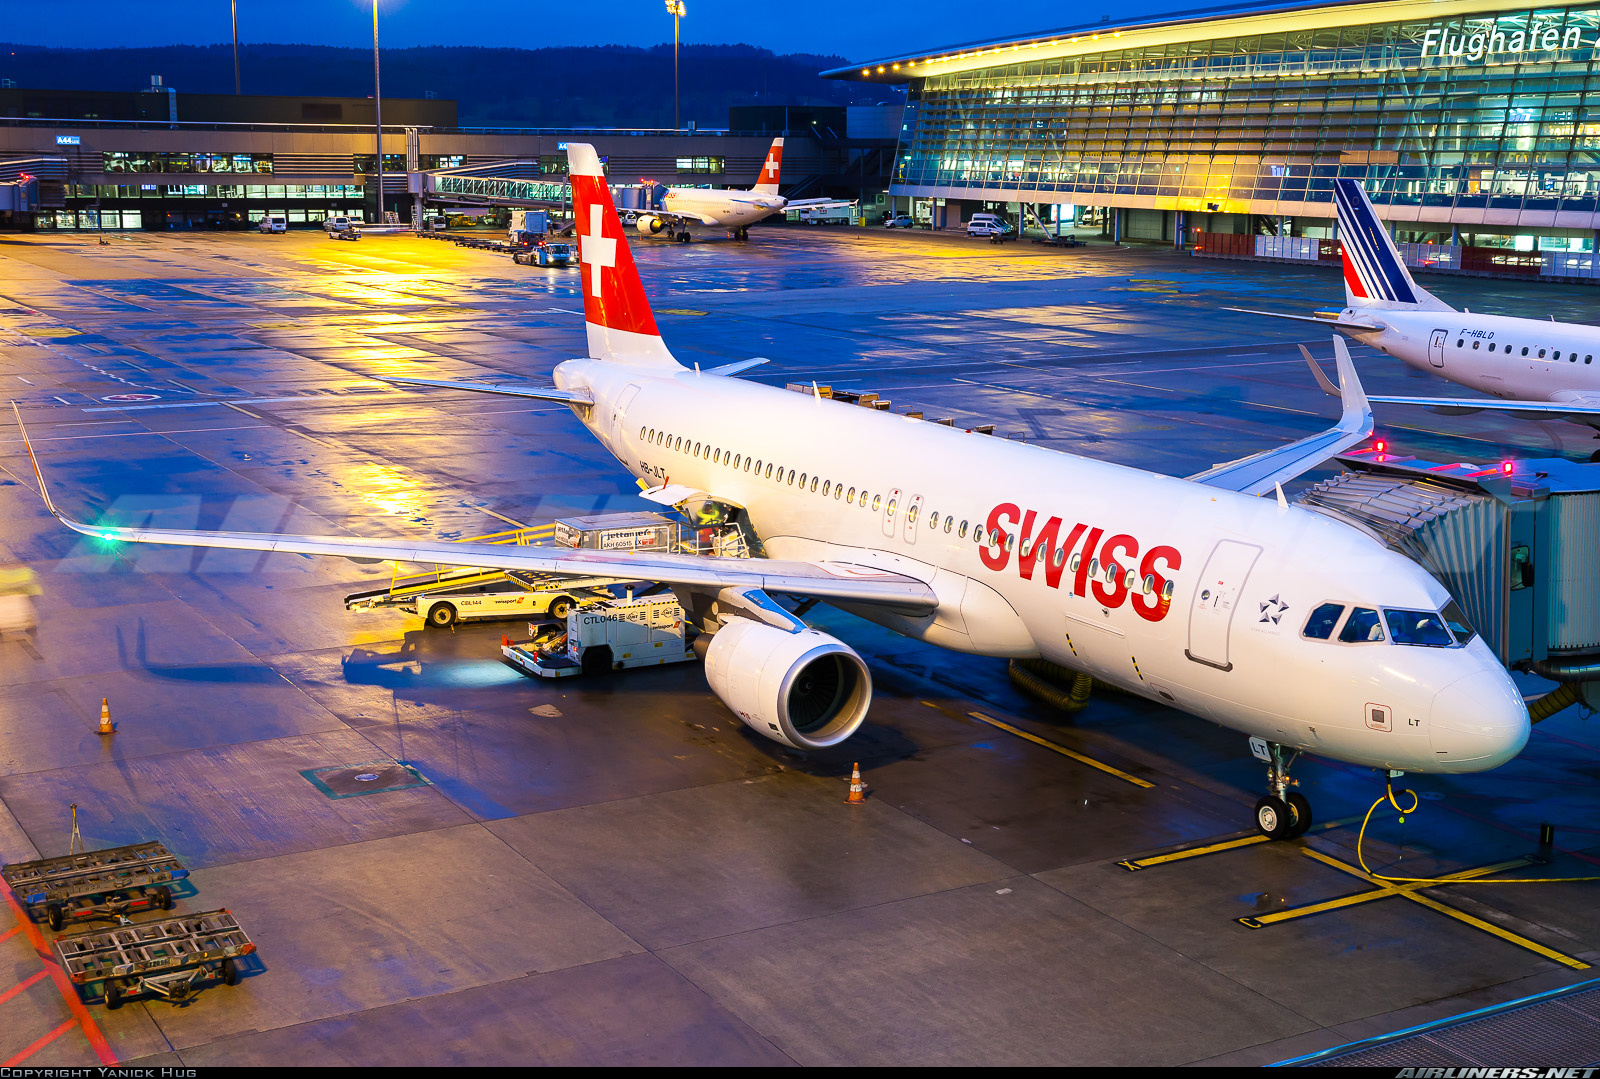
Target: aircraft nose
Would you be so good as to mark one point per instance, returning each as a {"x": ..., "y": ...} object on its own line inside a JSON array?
[{"x": 1478, "y": 722}]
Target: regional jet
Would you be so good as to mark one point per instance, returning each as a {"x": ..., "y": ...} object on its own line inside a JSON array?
[
  {"x": 1540, "y": 369},
  {"x": 1272, "y": 619},
  {"x": 733, "y": 210}
]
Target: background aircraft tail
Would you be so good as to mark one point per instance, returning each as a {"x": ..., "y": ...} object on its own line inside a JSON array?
[
  {"x": 767, "y": 182},
  {"x": 615, "y": 311},
  {"x": 1374, "y": 273}
]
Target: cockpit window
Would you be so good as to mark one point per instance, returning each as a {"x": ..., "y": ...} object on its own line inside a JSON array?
[
  {"x": 1320, "y": 625},
  {"x": 1457, "y": 623},
  {"x": 1419, "y": 627},
  {"x": 1361, "y": 626}
]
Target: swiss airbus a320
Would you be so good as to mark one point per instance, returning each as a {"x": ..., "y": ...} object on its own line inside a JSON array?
[{"x": 1268, "y": 618}]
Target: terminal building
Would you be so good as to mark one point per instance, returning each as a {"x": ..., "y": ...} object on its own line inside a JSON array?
[
  {"x": 1470, "y": 122},
  {"x": 159, "y": 159}
]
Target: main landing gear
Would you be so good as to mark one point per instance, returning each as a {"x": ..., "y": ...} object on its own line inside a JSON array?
[
  {"x": 1282, "y": 814},
  {"x": 739, "y": 234}
]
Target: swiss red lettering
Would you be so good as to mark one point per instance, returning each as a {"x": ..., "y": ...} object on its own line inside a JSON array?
[
  {"x": 1153, "y": 607},
  {"x": 1111, "y": 587},
  {"x": 1086, "y": 556},
  {"x": 995, "y": 556},
  {"x": 1026, "y": 555},
  {"x": 1053, "y": 568}
]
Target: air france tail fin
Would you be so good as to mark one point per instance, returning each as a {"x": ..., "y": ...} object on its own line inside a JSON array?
[
  {"x": 615, "y": 311},
  {"x": 767, "y": 182},
  {"x": 1374, "y": 273}
]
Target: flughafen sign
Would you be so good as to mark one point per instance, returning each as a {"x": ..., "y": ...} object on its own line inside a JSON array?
[{"x": 1489, "y": 39}]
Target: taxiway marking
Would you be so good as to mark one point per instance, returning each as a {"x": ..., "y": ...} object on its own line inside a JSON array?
[{"x": 1056, "y": 747}]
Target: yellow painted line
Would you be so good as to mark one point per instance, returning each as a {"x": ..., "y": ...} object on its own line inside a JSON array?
[
  {"x": 1409, "y": 891},
  {"x": 1061, "y": 749},
  {"x": 1503, "y": 934},
  {"x": 246, "y": 411},
  {"x": 1192, "y": 852},
  {"x": 1227, "y": 844}
]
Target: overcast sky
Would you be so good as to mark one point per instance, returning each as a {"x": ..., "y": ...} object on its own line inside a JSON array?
[{"x": 857, "y": 31}]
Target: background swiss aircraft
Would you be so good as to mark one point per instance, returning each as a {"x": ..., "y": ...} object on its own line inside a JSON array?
[
  {"x": 1274, "y": 620},
  {"x": 1542, "y": 369},
  {"x": 733, "y": 210}
]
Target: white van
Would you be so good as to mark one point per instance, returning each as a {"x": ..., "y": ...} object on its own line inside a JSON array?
[
  {"x": 274, "y": 223},
  {"x": 336, "y": 222},
  {"x": 988, "y": 225}
]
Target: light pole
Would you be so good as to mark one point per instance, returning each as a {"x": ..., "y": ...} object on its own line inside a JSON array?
[
  {"x": 676, "y": 9},
  {"x": 236, "y": 84},
  {"x": 377, "y": 103}
]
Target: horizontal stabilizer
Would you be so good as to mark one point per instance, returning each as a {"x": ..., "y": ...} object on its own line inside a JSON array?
[
  {"x": 543, "y": 393},
  {"x": 729, "y": 369},
  {"x": 1335, "y": 323}
]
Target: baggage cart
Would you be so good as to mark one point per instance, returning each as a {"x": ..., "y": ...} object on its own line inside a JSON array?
[
  {"x": 170, "y": 958},
  {"x": 108, "y": 883}
]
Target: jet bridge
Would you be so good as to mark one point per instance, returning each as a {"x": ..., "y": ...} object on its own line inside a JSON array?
[{"x": 1514, "y": 542}]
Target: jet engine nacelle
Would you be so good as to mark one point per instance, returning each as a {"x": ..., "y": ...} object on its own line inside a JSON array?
[
  {"x": 649, "y": 224},
  {"x": 807, "y": 690}
]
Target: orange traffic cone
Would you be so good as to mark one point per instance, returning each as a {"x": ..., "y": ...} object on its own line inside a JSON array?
[
  {"x": 105, "y": 717},
  {"x": 505, "y": 640},
  {"x": 858, "y": 793}
]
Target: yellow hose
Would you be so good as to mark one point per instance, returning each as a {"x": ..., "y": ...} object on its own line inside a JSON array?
[{"x": 1388, "y": 796}]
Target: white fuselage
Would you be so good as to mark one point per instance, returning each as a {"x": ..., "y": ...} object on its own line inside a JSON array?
[
  {"x": 1546, "y": 361},
  {"x": 872, "y": 488},
  {"x": 725, "y": 209}
]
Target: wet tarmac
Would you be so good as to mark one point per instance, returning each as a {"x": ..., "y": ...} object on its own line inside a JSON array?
[{"x": 612, "y": 871}]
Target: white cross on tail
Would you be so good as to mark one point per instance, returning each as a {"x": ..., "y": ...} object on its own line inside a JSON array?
[
  {"x": 598, "y": 251},
  {"x": 771, "y": 169}
]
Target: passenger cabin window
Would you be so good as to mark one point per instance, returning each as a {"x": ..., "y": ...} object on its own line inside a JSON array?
[
  {"x": 1524, "y": 350},
  {"x": 1320, "y": 625},
  {"x": 850, "y": 498},
  {"x": 961, "y": 533},
  {"x": 1361, "y": 626},
  {"x": 1475, "y": 344},
  {"x": 1418, "y": 627},
  {"x": 877, "y": 501}
]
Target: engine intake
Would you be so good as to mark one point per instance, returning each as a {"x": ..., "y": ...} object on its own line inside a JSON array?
[
  {"x": 807, "y": 690},
  {"x": 649, "y": 224}
]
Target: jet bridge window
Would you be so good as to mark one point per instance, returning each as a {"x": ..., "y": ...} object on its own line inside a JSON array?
[
  {"x": 1319, "y": 626},
  {"x": 1362, "y": 625},
  {"x": 1418, "y": 627}
]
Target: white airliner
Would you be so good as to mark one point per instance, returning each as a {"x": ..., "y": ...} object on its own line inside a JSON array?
[
  {"x": 733, "y": 210},
  {"x": 1543, "y": 369},
  {"x": 1275, "y": 620}
]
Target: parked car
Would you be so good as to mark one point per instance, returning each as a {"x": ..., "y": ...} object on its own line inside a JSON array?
[
  {"x": 988, "y": 225},
  {"x": 274, "y": 223},
  {"x": 900, "y": 221}
]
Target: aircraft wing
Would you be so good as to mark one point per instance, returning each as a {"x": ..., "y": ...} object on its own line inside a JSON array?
[
  {"x": 1338, "y": 324},
  {"x": 1261, "y": 472},
  {"x": 1580, "y": 410},
  {"x": 825, "y": 580}
]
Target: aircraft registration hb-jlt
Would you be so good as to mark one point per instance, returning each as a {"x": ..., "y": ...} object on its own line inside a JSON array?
[
  {"x": 1272, "y": 619},
  {"x": 731, "y": 209},
  {"x": 1540, "y": 369}
]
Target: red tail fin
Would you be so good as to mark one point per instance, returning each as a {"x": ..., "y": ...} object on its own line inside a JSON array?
[
  {"x": 767, "y": 182},
  {"x": 618, "y": 317}
]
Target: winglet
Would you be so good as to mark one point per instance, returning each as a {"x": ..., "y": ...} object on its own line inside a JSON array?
[
  {"x": 1322, "y": 380},
  {"x": 1357, "y": 411},
  {"x": 44, "y": 492}
]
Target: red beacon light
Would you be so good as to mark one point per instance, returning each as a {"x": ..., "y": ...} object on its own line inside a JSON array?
[
  {"x": 1380, "y": 447},
  {"x": 1506, "y": 467}
]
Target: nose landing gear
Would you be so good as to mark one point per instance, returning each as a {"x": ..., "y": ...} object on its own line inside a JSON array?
[{"x": 1282, "y": 814}]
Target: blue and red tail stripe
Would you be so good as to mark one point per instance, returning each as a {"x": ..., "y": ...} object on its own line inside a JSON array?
[{"x": 1372, "y": 266}]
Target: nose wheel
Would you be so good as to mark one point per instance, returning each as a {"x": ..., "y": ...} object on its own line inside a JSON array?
[{"x": 1282, "y": 814}]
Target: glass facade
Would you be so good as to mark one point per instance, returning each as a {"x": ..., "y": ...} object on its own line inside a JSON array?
[
  {"x": 1492, "y": 116},
  {"x": 119, "y": 161}
]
